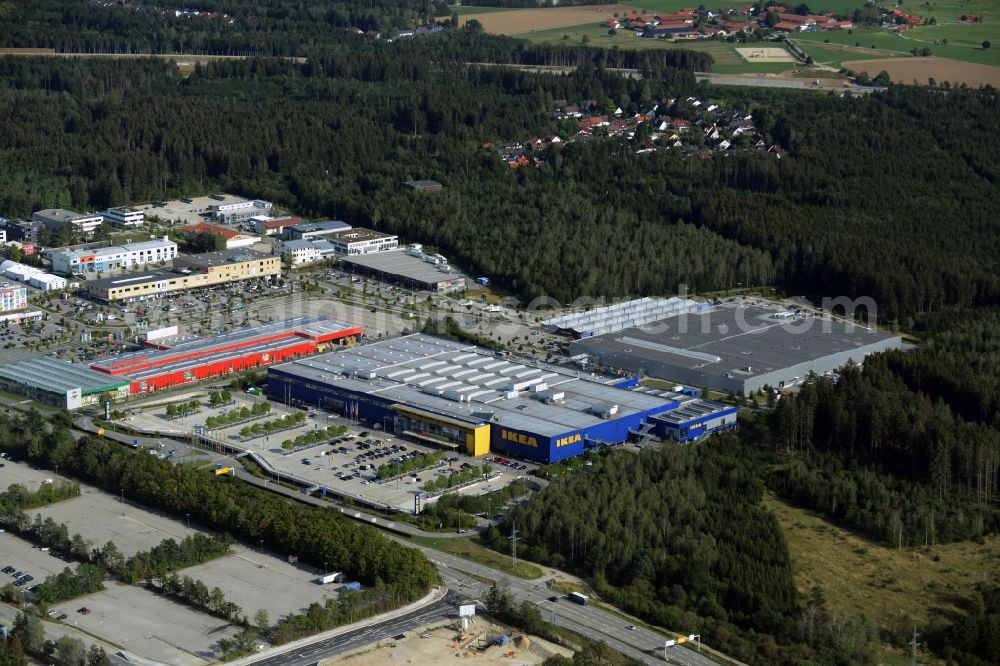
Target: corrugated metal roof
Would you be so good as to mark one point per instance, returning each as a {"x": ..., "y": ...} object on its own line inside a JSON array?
[
  {"x": 440, "y": 363},
  {"x": 56, "y": 376}
]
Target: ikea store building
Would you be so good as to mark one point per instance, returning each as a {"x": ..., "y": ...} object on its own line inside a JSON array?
[{"x": 466, "y": 398}]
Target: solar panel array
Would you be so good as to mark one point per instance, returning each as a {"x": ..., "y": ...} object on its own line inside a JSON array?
[{"x": 620, "y": 316}]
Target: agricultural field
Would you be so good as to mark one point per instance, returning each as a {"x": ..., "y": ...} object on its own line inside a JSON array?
[
  {"x": 895, "y": 588},
  {"x": 517, "y": 21},
  {"x": 964, "y": 41},
  {"x": 834, "y": 55},
  {"x": 920, "y": 70},
  {"x": 950, "y": 39},
  {"x": 727, "y": 58},
  {"x": 469, "y": 11}
]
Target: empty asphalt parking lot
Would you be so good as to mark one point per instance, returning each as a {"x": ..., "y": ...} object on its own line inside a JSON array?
[
  {"x": 268, "y": 581},
  {"x": 143, "y": 622},
  {"x": 101, "y": 517}
]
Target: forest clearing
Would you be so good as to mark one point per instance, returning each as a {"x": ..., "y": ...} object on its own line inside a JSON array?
[{"x": 892, "y": 587}]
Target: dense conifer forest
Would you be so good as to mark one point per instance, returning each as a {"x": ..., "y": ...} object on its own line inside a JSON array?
[
  {"x": 336, "y": 137},
  {"x": 892, "y": 196}
]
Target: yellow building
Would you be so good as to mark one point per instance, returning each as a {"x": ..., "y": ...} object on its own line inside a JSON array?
[{"x": 189, "y": 272}]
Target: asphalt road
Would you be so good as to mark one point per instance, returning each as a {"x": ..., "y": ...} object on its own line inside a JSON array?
[
  {"x": 639, "y": 643},
  {"x": 441, "y": 609},
  {"x": 770, "y": 82},
  {"x": 54, "y": 630}
]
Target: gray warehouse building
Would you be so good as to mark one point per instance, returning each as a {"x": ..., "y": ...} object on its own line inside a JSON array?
[{"x": 736, "y": 348}]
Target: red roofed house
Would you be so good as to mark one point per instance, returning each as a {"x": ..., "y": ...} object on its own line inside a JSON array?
[
  {"x": 233, "y": 238},
  {"x": 683, "y": 16},
  {"x": 673, "y": 25},
  {"x": 803, "y": 21},
  {"x": 271, "y": 226},
  {"x": 731, "y": 27},
  {"x": 593, "y": 121},
  {"x": 518, "y": 162},
  {"x": 908, "y": 19}
]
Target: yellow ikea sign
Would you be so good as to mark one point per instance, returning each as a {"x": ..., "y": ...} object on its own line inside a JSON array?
[
  {"x": 518, "y": 438},
  {"x": 566, "y": 441}
]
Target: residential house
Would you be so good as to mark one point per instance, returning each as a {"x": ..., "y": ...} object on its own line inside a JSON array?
[
  {"x": 270, "y": 226},
  {"x": 234, "y": 239}
]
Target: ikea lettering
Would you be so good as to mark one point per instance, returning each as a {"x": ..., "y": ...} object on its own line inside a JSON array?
[
  {"x": 518, "y": 438},
  {"x": 566, "y": 441}
]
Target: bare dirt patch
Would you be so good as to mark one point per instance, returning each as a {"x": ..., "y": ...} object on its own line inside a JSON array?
[
  {"x": 908, "y": 70},
  {"x": 26, "y": 51},
  {"x": 766, "y": 54},
  {"x": 441, "y": 644},
  {"x": 526, "y": 20}
]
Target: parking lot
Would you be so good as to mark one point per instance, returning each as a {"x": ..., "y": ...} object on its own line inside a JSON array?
[
  {"x": 254, "y": 580},
  {"x": 344, "y": 466},
  {"x": 350, "y": 467},
  {"x": 138, "y": 619},
  {"x": 101, "y": 517},
  {"x": 26, "y": 559},
  {"x": 150, "y": 625},
  {"x": 23, "y": 474}
]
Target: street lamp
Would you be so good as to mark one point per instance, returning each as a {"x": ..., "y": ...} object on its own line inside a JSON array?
[
  {"x": 189, "y": 520},
  {"x": 123, "y": 495}
]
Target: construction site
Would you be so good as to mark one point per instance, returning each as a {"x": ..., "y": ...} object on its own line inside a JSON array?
[{"x": 482, "y": 642}]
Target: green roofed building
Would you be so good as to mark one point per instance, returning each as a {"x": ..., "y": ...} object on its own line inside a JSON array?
[{"x": 56, "y": 382}]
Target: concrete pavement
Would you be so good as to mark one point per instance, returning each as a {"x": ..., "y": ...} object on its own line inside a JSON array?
[
  {"x": 640, "y": 643},
  {"x": 592, "y": 621},
  {"x": 310, "y": 650}
]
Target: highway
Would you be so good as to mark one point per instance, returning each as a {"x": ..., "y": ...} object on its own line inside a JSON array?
[
  {"x": 307, "y": 655},
  {"x": 591, "y": 621},
  {"x": 460, "y": 576},
  {"x": 641, "y": 644}
]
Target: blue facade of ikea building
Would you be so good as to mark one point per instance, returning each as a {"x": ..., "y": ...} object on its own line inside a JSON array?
[{"x": 461, "y": 397}]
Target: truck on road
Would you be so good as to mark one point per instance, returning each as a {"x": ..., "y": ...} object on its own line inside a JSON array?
[{"x": 578, "y": 598}]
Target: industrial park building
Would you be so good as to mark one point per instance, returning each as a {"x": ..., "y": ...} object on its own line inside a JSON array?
[
  {"x": 56, "y": 382},
  {"x": 411, "y": 271},
  {"x": 181, "y": 359},
  {"x": 124, "y": 216},
  {"x": 189, "y": 272},
  {"x": 362, "y": 241},
  {"x": 733, "y": 348},
  {"x": 304, "y": 250},
  {"x": 56, "y": 218},
  {"x": 114, "y": 257},
  {"x": 307, "y": 230},
  {"x": 32, "y": 275},
  {"x": 229, "y": 210},
  {"x": 462, "y": 397}
]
